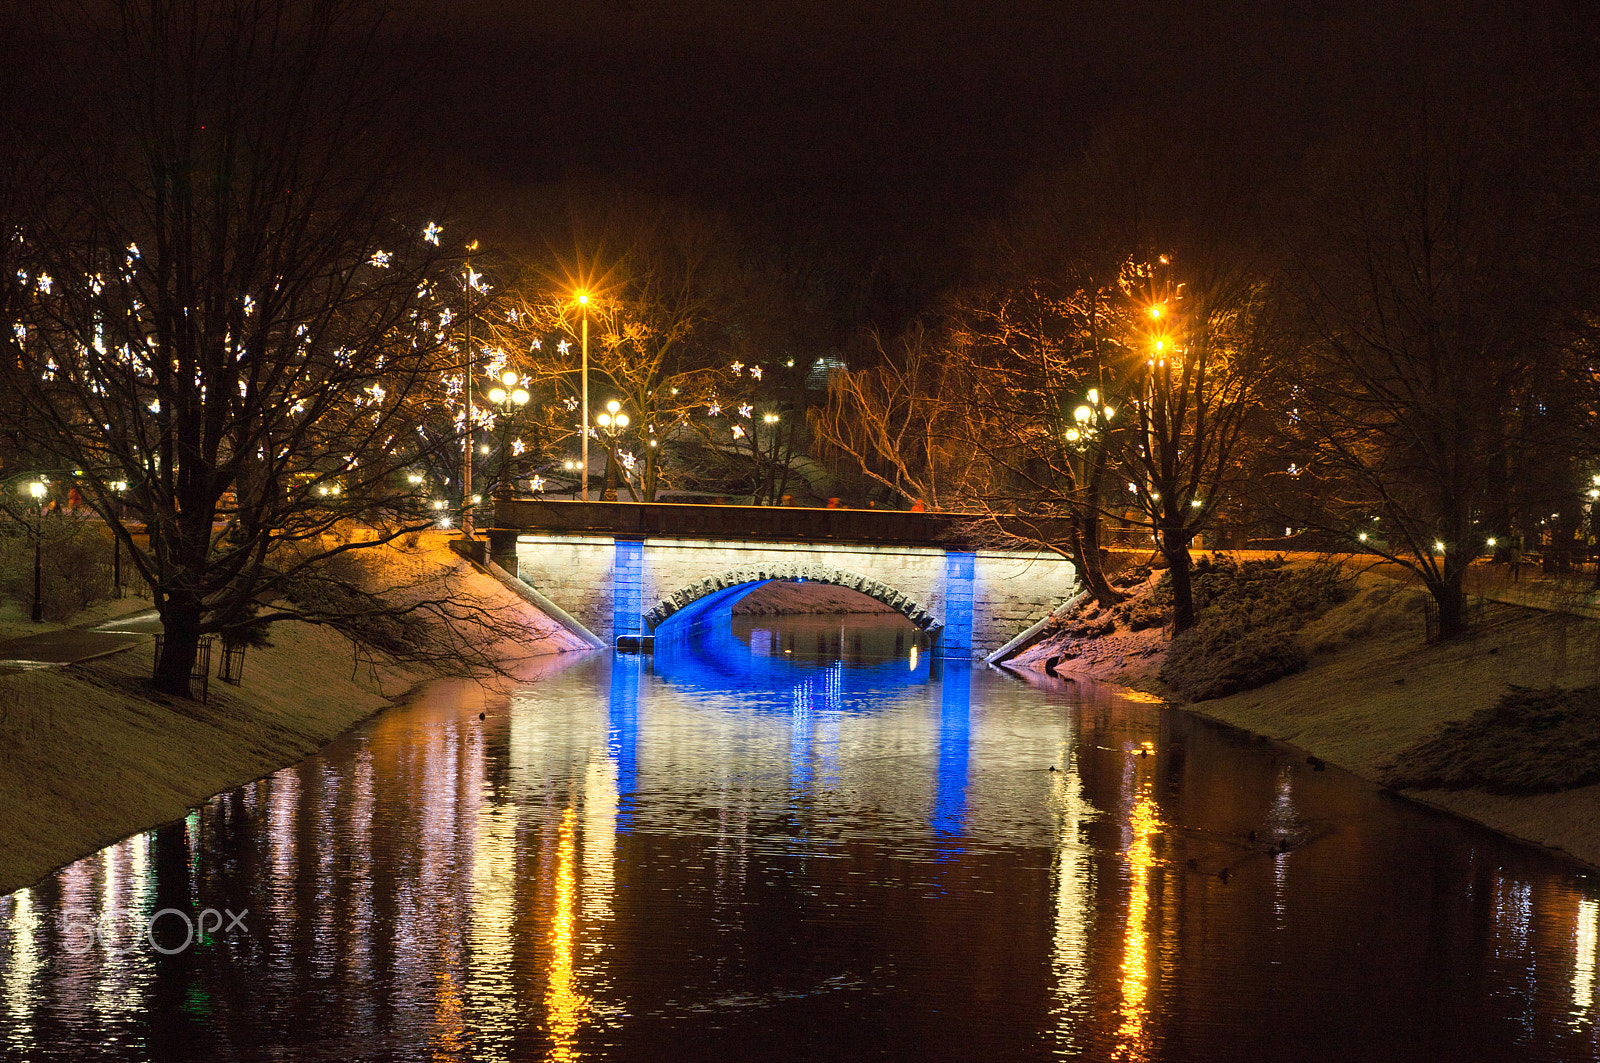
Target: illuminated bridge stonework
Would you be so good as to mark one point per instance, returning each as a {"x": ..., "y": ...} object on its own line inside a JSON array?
[{"x": 653, "y": 570}]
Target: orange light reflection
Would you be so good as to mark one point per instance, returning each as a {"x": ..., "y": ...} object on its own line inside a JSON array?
[
  {"x": 565, "y": 1004},
  {"x": 1135, "y": 952}
]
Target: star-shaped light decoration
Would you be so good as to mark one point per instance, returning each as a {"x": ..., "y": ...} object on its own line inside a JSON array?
[
  {"x": 517, "y": 447},
  {"x": 737, "y": 368},
  {"x": 714, "y": 410},
  {"x": 744, "y": 410},
  {"x": 564, "y": 346},
  {"x": 536, "y": 484},
  {"x": 738, "y": 431},
  {"x": 380, "y": 259},
  {"x": 755, "y": 371},
  {"x": 537, "y": 345},
  {"x": 431, "y": 233}
]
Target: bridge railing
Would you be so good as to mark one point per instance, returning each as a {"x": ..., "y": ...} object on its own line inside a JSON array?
[{"x": 680, "y": 520}]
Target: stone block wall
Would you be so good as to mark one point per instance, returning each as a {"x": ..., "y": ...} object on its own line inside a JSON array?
[
  {"x": 575, "y": 572},
  {"x": 594, "y": 576}
]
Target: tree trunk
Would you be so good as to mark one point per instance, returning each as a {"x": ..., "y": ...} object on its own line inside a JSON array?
[
  {"x": 1175, "y": 548},
  {"x": 180, "y": 644},
  {"x": 1086, "y": 545},
  {"x": 1452, "y": 603}
]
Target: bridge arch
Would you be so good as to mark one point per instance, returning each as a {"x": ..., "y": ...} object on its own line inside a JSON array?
[{"x": 692, "y": 600}]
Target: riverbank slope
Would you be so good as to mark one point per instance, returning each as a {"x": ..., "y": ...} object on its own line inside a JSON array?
[
  {"x": 1375, "y": 688},
  {"x": 89, "y": 754}
]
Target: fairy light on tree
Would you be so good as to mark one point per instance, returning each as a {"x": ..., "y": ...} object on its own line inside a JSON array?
[{"x": 251, "y": 409}]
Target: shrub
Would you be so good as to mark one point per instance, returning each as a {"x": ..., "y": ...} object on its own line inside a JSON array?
[
  {"x": 75, "y": 565},
  {"x": 1140, "y": 613},
  {"x": 1129, "y": 577},
  {"x": 1092, "y": 626},
  {"x": 1249, "y": 615},
  {"x": 1212, "y": 661},
  {"x": 1531, "y": 742}
]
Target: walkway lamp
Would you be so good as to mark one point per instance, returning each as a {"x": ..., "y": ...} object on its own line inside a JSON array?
[
  {"x": 611, "y": 421},
  {"x": 37, "y": 490},
  {"x": 507, "y": 397},
  {"x": 121, "y": 488},
  {"x": 470, "y": 282}
]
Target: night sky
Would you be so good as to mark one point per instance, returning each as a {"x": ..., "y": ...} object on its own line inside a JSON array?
[{"x": 885, "y": 130}]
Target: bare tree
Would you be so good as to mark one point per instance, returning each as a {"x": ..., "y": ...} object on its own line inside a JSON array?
[
  {"x": 1189, "y": 401},
  {"x": 1431, "y": 367},
  {"x": 898, "y": 421},
  {"x": 1037, "y": 413},
  {"x": 219, "y": 320}
]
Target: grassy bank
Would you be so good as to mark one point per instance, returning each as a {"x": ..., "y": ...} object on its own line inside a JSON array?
[
  {"x": 89, "y": 755},
  {"x": 1372, "y": 690}
]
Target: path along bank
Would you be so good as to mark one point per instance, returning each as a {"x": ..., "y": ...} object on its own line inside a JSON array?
[{"x": 1375, "y": 688}]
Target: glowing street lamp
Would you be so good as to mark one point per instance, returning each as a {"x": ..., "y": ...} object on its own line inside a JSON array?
[
  {"x": 611, "y": 421},
  {"x": 583, "y": 306},
  {"x": 471, "y": 283},
  {"x": 508, "y": 397},
  {"x": 36, "y": 491}
]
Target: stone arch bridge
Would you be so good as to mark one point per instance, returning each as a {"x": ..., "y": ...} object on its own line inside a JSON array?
[{"x": 628, "y": 572}]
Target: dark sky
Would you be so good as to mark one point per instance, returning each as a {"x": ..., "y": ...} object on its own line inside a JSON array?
[{"x": 889, "y": 126}]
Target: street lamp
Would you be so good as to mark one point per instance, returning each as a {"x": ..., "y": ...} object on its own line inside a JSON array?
[
  {"x": 583, "y": 306},
  {"x": 507, "y": 397},
  {"x": 37, "y": 491},
  {"x": 611, "y": 422},
  {"x": 120, "y": 487},
  {"x": 471, "y": 283}
]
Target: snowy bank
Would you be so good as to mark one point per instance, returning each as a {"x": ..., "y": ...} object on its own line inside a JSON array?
[
  {"x": 1374, "y": 688},
  {"x": 89, "y": 754}
]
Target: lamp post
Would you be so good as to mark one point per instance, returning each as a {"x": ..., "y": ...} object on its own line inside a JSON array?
[
  {"x": 37, "y": 491},
  {"x": 471, "y": 280},
  {"x": 583, "y": 307},
  {"x": 120, "y": 486},
  {"x": 508, "y": 397},
  {"x": 611, "y": 421}
]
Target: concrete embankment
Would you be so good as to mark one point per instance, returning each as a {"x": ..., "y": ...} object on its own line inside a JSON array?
[{"x": 89, "y": 755}]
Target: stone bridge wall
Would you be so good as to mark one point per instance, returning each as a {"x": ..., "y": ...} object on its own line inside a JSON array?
[{"x": 977, "y": 600}]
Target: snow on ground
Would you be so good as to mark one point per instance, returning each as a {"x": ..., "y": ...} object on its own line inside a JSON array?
[
  {"x": 1375, "y": 687},
  {"x": 781, "y": 598},
  {"x": 89, "y": 755}
]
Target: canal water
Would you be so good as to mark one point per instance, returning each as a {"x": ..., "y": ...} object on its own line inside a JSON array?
[{"x": 802, "y": 839}]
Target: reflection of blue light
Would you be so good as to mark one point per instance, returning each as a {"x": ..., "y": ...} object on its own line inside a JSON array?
[
  {"x": 622, "y": 737},
  {"x": 955, "y": 745},
  {"x": 710, "y": 659}
]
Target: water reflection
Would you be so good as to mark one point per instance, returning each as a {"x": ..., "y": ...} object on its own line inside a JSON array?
[
  {"x": 1143, "y": 824},
  {"x": 806, "y": 840},
  {"x": 955, "y": 747}
]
